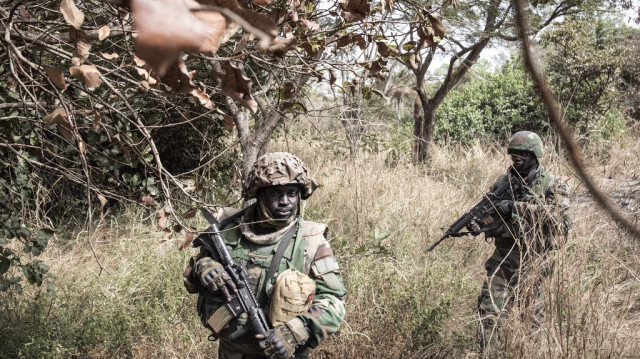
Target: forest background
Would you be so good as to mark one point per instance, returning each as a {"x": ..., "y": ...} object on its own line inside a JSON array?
[{"x": 118, "y": 125}]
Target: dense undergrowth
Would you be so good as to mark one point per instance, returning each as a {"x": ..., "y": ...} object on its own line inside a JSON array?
[{"x": 127, "y": 298}]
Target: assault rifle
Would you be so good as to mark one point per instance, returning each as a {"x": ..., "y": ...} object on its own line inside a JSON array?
[
  {"x": 480, "y": 211},
  {"x": 244, "y": 300}
]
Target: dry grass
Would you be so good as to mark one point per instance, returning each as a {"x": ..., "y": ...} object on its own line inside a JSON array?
[{"x": 402, "y": 301}]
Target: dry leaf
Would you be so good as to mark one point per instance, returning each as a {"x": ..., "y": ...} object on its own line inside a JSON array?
[
  {"x": 190, "y": 213},
  {"x": 438, "y": 27},
  {"x": 165, "y": 29},
  {"x": 356, "y": 10},
  {"x": 178, "y": 78},
  {"x": 262, "y": 2},
  {"x": 138, "y": 61},
  {"x": 282, "y": 44},
  {"x": 72, "y": 15},
  {"x": 228, "y": 123},
  {"x": 162, "y": 218},
  {"x": 103, "y": 32},
  {"x": 109, "y": 56},
  {"x": 216, "y": 24},
  {"x": 82, "y": 46},
  {"x": 103, "y": 201},
  {"x": 60, "y": 118},
  {"x": 86, "y": 73},
  {"x": 237, "y": 86},
  {"x": 332, "y": 77},
  {"x": 148, "y": 201},
  {"x": 56, "y": 76},
  {"x": 97, "y": 120},
  {"x": 311, "y": 25},
  {"x": 203, "y": 98},
  {"x": 187, "y": 239},
  {"x": 123, "y": 148}
]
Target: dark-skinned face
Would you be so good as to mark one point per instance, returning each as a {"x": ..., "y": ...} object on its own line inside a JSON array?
[
  {"x": 523, "y": 161},
  {"x": 282, "y": 201}
]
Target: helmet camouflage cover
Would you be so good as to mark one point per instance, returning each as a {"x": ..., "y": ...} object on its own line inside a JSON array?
[
  {"x": 276, "y": 169},
  {"x": 526, "y": 141}
]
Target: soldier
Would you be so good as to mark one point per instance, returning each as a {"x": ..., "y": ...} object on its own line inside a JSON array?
[
  {"x": 531, "y": 218},
  {"x": 291, "y": 267}
]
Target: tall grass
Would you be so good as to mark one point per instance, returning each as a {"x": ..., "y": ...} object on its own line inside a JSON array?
[{"x": 402, "y": 303}]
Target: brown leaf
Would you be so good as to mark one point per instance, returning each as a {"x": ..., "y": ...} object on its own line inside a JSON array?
[
  {"x": 343, "y": 41},
  {"x": 56, "y": 76},
  {"x": 60, "y": 118},
  {"x": 148, "y": 201},
  {"x": 216, "y": 25},
  {"x": 82, "y": 46},
  {"x": 262, "y": 2},
  {"x": 86, "y": 73},
  {"x": 228, "y": 123},
  {"x": 311, "y": 25},
  {"x": 24, "y": 13},
  {"x": 72, "y": 15},
  {"x": 356, "y": 10},
  {"x": 178, "y": 78},
  {"x": 237, "y": 86},
  {"x": 332, "y": 77},
  {"x": 103, "y": 201},
  {"x": 288, "y": 90},
  {"x": 166, "y": 28},
  {"x": 359, "y": 40},
  {"x": 438, "y": 27},
  {"x": 109, "y": 56},
  {"x": 203, "y": 98},
  {"x": 187, "y": 239},
  {"x": 138, "y": 61},
  {"x": 103, "y": 32},
  {"x": 162, "y": 218},
  {"x": 190, "y": 213},
  {"x": 282, "y": 44},
  {"x": 97, "y": 120}
]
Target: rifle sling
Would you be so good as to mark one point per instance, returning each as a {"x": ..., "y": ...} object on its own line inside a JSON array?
[{"x": 275, "y": 261}]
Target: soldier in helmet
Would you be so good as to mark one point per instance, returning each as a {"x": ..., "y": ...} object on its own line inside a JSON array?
[
  {"x": 291, "y": 267},
  {"x": 530, "y": 220}
]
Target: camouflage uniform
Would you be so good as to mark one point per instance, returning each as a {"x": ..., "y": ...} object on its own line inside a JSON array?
[
  {"x": 308, "y": 252},
  {"x": 525, "y": 236}
]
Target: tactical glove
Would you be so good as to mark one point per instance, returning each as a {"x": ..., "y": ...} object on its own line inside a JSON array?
[
  {"x": 504, "y": 207},
  {"x": 281, "y": 342},
  {"x": 474, "y": 228},
  {"x": 214, "y": 277}
]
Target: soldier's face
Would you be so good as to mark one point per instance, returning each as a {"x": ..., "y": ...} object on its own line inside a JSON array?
[
  {"x": 282, "y": 201},
  {"x": 523, "y": 160}
]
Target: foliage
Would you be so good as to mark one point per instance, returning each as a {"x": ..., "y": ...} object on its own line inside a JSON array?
[
  {"x": 492, "y": 105},
  {"x": 588, "y": 59}
]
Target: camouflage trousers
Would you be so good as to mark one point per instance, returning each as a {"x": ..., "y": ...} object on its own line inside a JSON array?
[{"x": 513, "y": 278}]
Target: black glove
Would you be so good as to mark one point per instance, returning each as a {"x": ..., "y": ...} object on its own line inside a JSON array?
[
  {"x": 214, "y": 277},
  {"x": 278, "y": 343},
  {"x": 504, "y": 207},
  {"x": 473, "y": 227}
]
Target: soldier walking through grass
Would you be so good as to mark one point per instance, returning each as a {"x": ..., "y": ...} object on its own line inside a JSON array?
[
  {"x": 291, "y": 268},
  {"x": 528, "y": 222}
]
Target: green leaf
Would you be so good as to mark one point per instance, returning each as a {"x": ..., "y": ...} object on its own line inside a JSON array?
[
  {"x": 52, "y": 289},
  {"x": 5, "y": 263},
  {"x": 45, "y": 233},
  {"x": 408, "y": 46},
  {"x": 14, "y": 95}
]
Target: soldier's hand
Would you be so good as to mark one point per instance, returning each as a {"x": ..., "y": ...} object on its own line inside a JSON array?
[
  {"x": 504, "y": 207},
  {"x": 215, "y": 278},
  {"x": 473, "y": 227},
  {"x": 281, "y": 342}
]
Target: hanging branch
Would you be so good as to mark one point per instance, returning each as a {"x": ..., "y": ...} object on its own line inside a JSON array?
[{"x": 556, "y": 116}]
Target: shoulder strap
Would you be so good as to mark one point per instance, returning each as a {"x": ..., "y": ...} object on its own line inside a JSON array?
[{"x": 277, "y": 257}]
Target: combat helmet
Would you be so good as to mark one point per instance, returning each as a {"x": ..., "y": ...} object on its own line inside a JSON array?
[
  {"x": 526, "y": 141},
  {"x": 275, "y": 169}
]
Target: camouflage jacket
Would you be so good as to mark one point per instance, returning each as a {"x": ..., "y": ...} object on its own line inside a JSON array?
[
  {"x": 309, "y": 252},
  {"x": 539, "y": 215}
]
